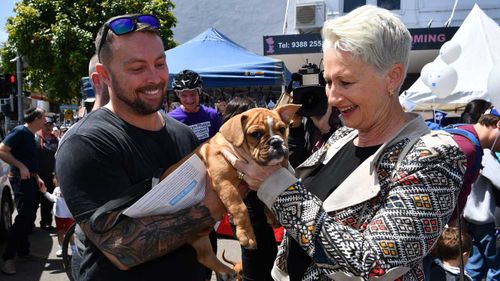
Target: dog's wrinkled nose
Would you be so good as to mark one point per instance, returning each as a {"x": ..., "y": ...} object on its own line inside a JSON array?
[{"x": 275, "y": 143}]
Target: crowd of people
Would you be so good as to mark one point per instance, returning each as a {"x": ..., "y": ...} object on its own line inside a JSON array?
[{"x": 372, "y": 193}]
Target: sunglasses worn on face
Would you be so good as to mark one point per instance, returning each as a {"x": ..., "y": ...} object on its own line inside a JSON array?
[{"x": 125, "y": 24}]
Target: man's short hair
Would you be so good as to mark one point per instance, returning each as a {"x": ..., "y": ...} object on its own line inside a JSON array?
[
  {"x": 489, "y": 120},
  {"x": 32, "y": 113},
  {"x": 448, "y": 244},
  {"x": 106, "y": 54}
]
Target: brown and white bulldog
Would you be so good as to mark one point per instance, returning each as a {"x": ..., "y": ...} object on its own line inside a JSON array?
[{"x": 260, "y": 134}]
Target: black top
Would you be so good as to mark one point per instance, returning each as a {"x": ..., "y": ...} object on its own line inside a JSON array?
[
  {"x": 23, "y": 147},
  {"x": 102, "y": 156},
  {"x": 322, "y": 182},
  {"x": 47, "y": 146}
]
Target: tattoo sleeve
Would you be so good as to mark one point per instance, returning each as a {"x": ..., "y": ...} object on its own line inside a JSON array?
[{"x": 135, "y": 241}]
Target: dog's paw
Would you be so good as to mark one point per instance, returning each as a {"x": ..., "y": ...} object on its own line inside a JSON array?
[
  {"x": 248, "y": 243},
  {"x": 246, "y": 238},
  {"x": 226, "y": 276}
]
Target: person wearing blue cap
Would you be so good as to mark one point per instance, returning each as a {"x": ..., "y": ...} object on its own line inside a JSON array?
[{"x": 479, "y": 211}]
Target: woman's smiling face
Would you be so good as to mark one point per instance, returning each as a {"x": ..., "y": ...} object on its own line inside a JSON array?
[{"x": 357, "y": 90}]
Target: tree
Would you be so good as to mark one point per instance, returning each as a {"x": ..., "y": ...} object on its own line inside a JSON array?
[{"x": 56, "y": 38}]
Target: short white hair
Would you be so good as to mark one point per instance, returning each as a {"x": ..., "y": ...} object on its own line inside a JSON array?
[{"x": 374, "y": 35}]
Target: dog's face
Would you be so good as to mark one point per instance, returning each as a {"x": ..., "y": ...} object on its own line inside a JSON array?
[{"x": 262, "y": 133}]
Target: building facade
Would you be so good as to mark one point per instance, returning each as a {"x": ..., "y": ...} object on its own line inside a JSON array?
[{"x": 289, "y": 29}]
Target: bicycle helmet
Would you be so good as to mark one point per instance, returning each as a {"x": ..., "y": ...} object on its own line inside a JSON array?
[{"x": 187, "y": 79}]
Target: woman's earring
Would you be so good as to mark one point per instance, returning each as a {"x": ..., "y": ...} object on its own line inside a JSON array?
[{"x": 391, "y": 93}]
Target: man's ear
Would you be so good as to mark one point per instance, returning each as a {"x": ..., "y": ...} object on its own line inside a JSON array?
[{"x": 102, "y": 73}]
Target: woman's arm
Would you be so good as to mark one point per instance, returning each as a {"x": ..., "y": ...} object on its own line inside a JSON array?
[{"x": 397, "y": 228}]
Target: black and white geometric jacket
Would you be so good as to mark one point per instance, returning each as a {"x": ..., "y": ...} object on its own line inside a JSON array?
[{"x": 383, "y": 219}]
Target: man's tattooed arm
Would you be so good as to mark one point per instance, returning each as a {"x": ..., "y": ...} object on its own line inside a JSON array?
[{"x": 134, "y": 241}]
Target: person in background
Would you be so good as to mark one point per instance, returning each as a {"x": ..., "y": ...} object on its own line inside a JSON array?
[
  {"x": 371, "y": 202},
  {"x": 449, "y": 250},
  {"x": 484, "y": 131},
  {"x": 308, "y": 134},
  {"x": 61, "y": 213},
  {"x": 221, "y": 106},
  {"x": 57, "y": 132},
  {"x": 100, "y": 88},
  {"x": 482, "y": 134},
  {"x": 236, "y": 106},
  {"x": 473, "y": 110},
  {"x": 204, "y": 121},
  {"x": 479, "y": 211},
  {"x": 19, "y": 149},
  {"x": 117, "y": 150},
  {"x": 257, "y": 263},
  {"x": 47, "y": 143}
]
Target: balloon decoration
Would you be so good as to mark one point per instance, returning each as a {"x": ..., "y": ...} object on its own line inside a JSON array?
[
  {"x": 424, "y": 73},
  {"x": 450, "y": 51},
  {"x": 442, "y": 80},
  {"x": 493, "y": 85}
]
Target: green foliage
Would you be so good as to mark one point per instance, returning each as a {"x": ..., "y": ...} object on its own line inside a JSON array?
[{"x": 56, "y": 39}]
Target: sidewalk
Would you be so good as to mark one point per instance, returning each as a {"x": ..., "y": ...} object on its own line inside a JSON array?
[{"x": 44, "y": 244}]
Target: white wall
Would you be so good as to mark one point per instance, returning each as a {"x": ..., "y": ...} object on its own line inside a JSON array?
[
  {"x": 244, "y": 22},
  {"x": 414, "y": 13}
]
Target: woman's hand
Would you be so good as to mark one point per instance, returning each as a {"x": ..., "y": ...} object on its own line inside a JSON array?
[{"x": 251, "y": 172}]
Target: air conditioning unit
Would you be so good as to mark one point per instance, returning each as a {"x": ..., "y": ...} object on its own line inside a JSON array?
[{"x": 309, "y": 15}]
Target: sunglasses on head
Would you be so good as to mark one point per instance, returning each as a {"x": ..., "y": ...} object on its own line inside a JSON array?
[{"x": 125, "y": 24}]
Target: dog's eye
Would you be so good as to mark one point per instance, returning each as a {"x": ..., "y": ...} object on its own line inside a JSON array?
[
  {"x": 282, "y": 130},
  {"x": 256, "y": 135}
]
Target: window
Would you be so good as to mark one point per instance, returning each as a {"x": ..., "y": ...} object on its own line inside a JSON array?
[
  {"x": 350, "y": 5},
  {"x": 389, "y": 4}
]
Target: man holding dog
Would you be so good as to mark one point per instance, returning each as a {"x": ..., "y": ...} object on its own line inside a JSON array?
[{"x": 116, "y": 150}]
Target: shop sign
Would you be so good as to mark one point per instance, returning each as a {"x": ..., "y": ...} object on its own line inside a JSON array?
[
  {"x": 422, "y": 39},
  {"x": 431, "y": 38},
  {"x": 292, "y": 44}
]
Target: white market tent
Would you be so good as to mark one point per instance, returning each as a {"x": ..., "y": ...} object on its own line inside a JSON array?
[{"x": 479, "y": 38}]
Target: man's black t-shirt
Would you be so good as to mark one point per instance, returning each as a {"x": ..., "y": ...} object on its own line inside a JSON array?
[
  {"x": 324, "y": 180},
  {"x": 97, "y": 161},
  {"x": 23, "y": 147}
]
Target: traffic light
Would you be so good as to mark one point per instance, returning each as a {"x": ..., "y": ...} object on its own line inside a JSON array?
[
  {"x": 9, "y": 85},
  {"x": 13, "y": 84}
]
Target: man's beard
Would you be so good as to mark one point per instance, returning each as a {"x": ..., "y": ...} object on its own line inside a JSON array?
[{"x": 136, "y": 104}]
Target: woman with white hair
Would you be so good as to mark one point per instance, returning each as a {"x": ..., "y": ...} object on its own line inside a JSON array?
[{"x": 374, "y": 199}]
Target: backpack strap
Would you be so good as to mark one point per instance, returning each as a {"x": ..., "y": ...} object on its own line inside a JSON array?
[{"x": 472, "y": 138}]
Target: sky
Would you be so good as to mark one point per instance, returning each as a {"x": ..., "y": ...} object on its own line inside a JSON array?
[{"x": 6, "y": 10}]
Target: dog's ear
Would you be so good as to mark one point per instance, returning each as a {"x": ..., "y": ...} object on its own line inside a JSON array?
[
  {"x": 233, "y": 131},
  {"x": 287, "y": 111}
]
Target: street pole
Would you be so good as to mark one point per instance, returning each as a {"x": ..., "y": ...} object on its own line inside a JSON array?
[{"x": 19, "y": 69}]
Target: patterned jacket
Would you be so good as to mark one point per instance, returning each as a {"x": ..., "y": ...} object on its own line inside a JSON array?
[{"x": 383, "y": 219}]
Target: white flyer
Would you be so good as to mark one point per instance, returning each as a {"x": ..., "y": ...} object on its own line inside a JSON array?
[{"x": 183, "y": 188}]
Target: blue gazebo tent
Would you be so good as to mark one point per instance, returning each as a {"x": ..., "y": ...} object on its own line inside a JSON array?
[{"x": 223, "y": 63}]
